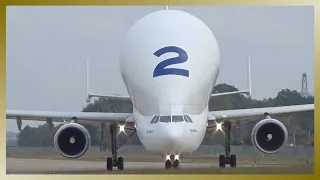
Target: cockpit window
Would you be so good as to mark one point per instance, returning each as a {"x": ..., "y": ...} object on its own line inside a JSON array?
[
  {"x": 165, "y": 119},
  {"x": 154, "y": 119},
  {"x": 177, "y": 118},
  {"x": 157, "y": 119},
  {"x": 187, "y": 119}
]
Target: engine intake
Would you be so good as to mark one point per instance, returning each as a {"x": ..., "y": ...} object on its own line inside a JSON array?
[
  {"x": 269, "y": 136},
  {"x": 72, "y": 140}
]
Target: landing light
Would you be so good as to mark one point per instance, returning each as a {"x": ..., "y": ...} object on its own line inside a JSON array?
[
  {"x": 218, "y": 126},
  {"x": 121, "y": 128},
  {"x": 176, "y": 157}
]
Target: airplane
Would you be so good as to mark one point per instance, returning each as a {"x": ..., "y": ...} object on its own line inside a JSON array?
[{"x": 169, "y": 63}]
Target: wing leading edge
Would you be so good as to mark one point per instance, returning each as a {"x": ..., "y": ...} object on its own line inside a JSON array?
[
  {"x": 245, "y": 114},
  {"x": 90, "y": 117},
  {"x": 95, "y": 117}
]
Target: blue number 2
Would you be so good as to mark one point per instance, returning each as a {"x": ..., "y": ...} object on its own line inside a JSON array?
[{"x": 160, "y": 69}]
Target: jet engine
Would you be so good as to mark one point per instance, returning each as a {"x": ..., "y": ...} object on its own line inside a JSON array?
[
  {"x": 269, "y": 136},
  {"x": 72, "y": 140}
]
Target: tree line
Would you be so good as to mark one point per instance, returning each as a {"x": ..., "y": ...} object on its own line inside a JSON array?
[{"x": 300, "y": 126}]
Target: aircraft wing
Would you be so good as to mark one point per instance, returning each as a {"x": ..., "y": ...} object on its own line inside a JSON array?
[
  {"x": 241, "y": 115},
  {"x": 90, "y": 117}
]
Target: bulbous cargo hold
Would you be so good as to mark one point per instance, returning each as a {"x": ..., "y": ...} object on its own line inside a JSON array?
[
  {"x": 269, "y": 136},
  {"x": 72, "y": 140},
  {"x": 169, "y": 62}
]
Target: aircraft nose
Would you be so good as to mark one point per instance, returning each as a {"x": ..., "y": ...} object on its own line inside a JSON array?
[
  {"x": 174, "y": 135},
  {"x": 174, "y": 139}
]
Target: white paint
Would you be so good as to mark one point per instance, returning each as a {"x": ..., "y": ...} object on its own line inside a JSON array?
[{"x": 170, "y": 94}]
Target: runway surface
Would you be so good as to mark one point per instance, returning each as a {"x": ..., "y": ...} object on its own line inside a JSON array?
[{"x": 46, "y": 166}]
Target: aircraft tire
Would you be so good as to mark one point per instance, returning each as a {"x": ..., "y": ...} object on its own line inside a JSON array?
[
  {"x": 222, "y": 161},
  {"x": 168, "y": 164},
  {"x": 176, "y": 164},
  {"x": 109, "y": 164},
  {"x": 233, "y": 161},
  {"x": 120, "y": 163}
]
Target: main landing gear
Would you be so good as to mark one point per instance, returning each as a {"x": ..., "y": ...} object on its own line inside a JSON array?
[
  {"x": 227, "y": 158},
  {"x": 172, "y": 162},
  {"x": 115, "y": 161}
]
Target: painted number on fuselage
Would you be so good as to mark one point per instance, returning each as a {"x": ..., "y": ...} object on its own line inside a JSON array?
[{"x": 160, "y": 69}]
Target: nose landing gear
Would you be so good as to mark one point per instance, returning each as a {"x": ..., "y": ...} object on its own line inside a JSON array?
[{"x": 172, "y": 162}]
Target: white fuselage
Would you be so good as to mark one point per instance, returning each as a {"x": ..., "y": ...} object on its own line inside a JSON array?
[
  {"x": 169, "y": 64},
  {"x": 171, "y": 137}
]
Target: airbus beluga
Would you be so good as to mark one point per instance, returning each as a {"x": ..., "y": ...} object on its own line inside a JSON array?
[{"x": 169, "y": 63}]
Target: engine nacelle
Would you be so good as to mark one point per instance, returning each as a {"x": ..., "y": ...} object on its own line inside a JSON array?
[
  {"x": 72, "y": 140},
  {"x": 269, "y": 136}
]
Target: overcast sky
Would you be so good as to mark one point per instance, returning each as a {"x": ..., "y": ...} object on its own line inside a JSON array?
[{"x": 47, "y": 48}]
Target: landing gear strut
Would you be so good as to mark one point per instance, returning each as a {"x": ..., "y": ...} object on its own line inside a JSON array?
[
  {"x": 172, "y": 162},
  {"x": 102, "y": 133},
  {"x": 227, "y": 158},
  {"x": 114, "y": 161}
]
